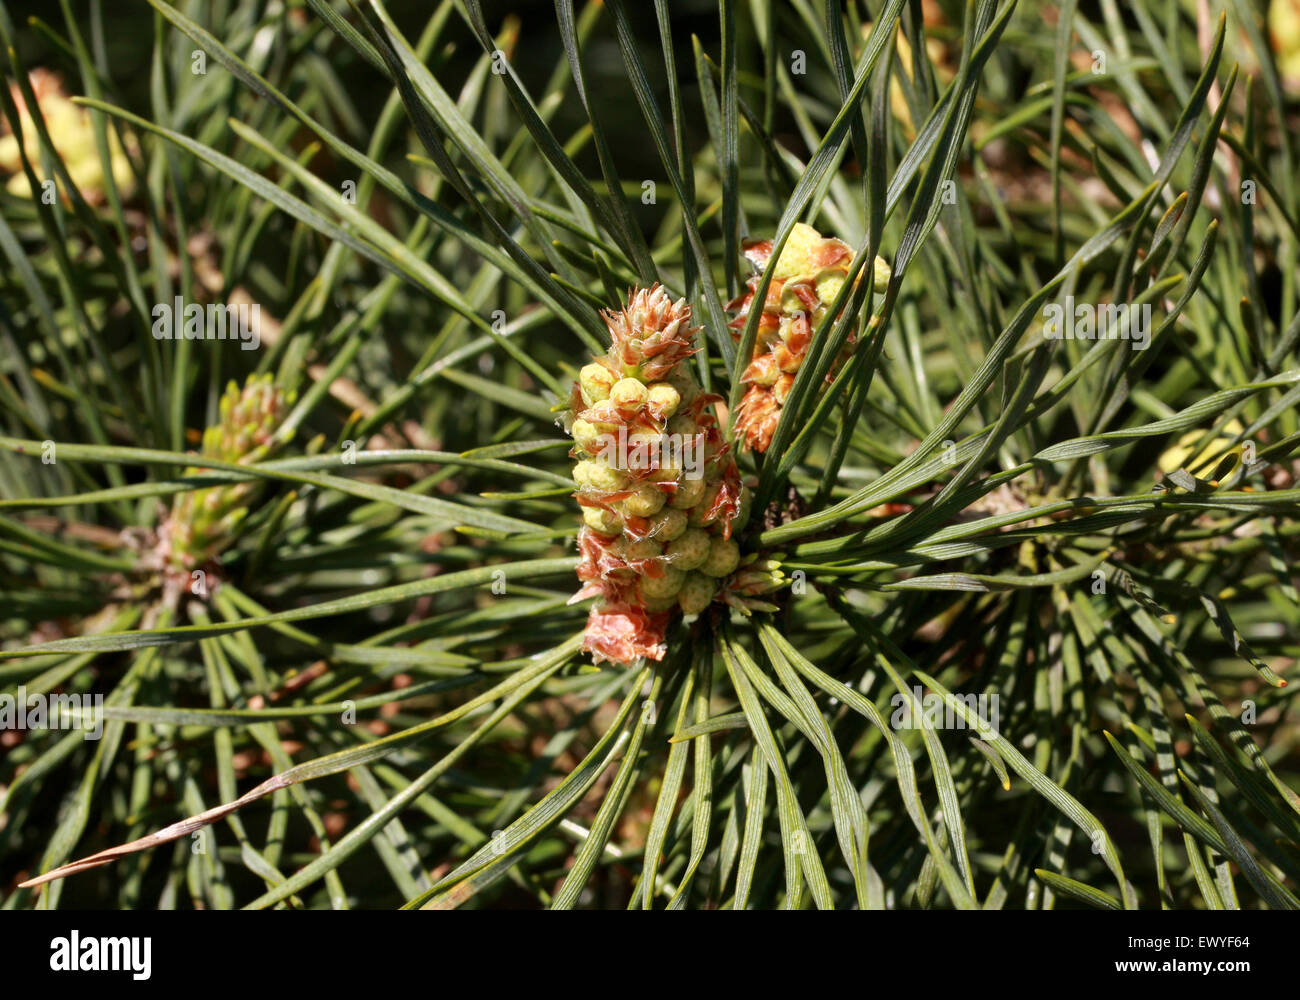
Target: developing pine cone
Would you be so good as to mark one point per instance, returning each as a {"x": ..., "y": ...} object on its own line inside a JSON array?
[
  {"x": 808, "y": 275},
  {"x": 659, "y": 491},
  {"x": 203, "y": 522}
]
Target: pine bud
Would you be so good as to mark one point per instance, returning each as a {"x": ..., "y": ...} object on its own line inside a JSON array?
[
  {"x": 754, "y": 579},
  {"x": 586, "y": 435},
  {"x": 662, "y": 400},
  {"x": 604, "y": 521},
  {"x": 597, "y": 476},
  {"x": 696, "y": 593},
  {"x": 723, "y": 558},
  {"x": 651, "y": 335},
  {"x": 628, "y": 394},
  {"x": 689, "y": 551},
  {"x": 640, "y": 550},
  {"x": 668, "y": 525},
  {"x": 645, "y": 501},
  {"x": 203, "y": 522},
  {"x": 806, "y": 279},
  {"x": 689, "y": 493},
  {"x": 664, "y": 586},
  {"x": 595, "y": 381}
]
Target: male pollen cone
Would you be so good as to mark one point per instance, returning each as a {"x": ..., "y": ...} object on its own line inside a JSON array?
[
  {"x": 805, "y": 280},
  {"x": 659, "y": 490},
  {"x": 203, "y": 522}
]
